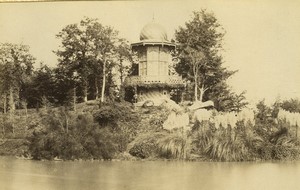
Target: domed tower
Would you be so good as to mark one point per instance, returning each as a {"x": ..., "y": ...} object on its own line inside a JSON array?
[{"x": 153, "y": 79}]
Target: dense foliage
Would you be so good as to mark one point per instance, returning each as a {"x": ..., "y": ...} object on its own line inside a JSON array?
[
  {"x": 92, "y": 59},
  {"x": 16, "y": 66},
  {"x": 89, "y": 58},
  {"x": 89, "y": 53},
  {"x": 269, "y": 138},
  {"x": 116, "y": 129},
  {"x": 71, "y": 135},
  {"x": 200, "y": 61},
  {"x": 245, "y": 143}
]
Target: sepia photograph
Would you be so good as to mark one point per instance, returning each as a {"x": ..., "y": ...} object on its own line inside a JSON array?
[{"x": 150, "y": 95}]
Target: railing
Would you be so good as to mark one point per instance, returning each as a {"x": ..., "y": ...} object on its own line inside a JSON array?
[{"x": 135, "y": 80}]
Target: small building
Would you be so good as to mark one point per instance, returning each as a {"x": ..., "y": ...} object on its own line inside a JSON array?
[{"x": 153, "y": 79}]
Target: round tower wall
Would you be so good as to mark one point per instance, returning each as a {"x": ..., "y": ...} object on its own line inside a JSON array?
[{"x": 154, "y": 61}]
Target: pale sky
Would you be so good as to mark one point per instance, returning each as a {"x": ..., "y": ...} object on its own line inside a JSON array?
[{"x": 262, "y": 39}]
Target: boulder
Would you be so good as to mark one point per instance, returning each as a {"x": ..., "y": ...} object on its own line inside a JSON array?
[
  {"x": 148, "y": 103},
  {"x": 198, "y": 105}
]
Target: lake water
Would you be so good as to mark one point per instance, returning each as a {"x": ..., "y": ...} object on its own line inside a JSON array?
[{"x": 149, "y": 175}]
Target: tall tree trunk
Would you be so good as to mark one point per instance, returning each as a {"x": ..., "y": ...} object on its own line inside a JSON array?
[
  {"x": 26, "y": 116},
  {"x": 196, "y": 88},
  {"x": 3, "y": 130},
  {"x": 11, "y": 100},
  {"x": 26, "y": 110},
  {"x": 97, "y": 89},
  {"x": 18, "y": 97},
  {"x": 104, "y": 78},
  {"x": 201, "y": 93},
  {"x": 74, "y": 98},
  {"x": 121, "y": 71},
  {"x": 85, "y": 92},
  {"x": 11, "y": 108},
  {"x": 296, "y": 130},
  {"x": 66, "y": 122},
  {"x": 23, "y": 103},
  {"x": 5, "y": 103}
]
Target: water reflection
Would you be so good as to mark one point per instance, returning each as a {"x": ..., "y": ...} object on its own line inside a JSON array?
[{"x": 31, "y": 175}]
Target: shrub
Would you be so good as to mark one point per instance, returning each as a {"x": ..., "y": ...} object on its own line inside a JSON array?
[
  {"x": 69, "y": 148},
  {"x": 175, "y": 145},
  {"x": 145, "y": 146},
  {"x": 40, "y": 146},
  {"x": 284, "y": 148},
  {"x": 83, "y": 139},
  {"x": 117, "y": 116},
  {"x": 143, "y": 149},
  {"x": 100, "y": 144},
  {"x": 227, "y": 148},
  {"x": 107, "y": 115},
  {"x": 111, "y": 113},
  {"x": 231, "y": 144},
  {"x": 202, "y": 133}
]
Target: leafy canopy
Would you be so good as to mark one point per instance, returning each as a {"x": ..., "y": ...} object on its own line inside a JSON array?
[
  {"x": 203, "y": 35},
  {"x": 86, "y": 48},
  {"x": 16, "y": 63}
]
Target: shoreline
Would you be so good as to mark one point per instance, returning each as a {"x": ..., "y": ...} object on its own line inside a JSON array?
[{"x": 149, "y": 160}]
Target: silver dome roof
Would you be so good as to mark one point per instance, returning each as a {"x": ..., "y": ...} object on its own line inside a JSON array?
[{"x": 153, "y": 31}]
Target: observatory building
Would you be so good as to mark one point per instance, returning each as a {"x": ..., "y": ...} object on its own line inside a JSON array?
[{"x": 153, "y": 79}]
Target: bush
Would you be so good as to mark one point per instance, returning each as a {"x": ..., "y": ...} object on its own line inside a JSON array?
[
  {"x": 40, "y": 146},
  {"x": 121, "y": 120},
  {"x": 175, "y": 145},
  {"x": 83, "y": 139},
  {"x": 100, "y": 144},
  {"x": 231, "y": 144},
  {"x": 146, "y": 145},
  {"x": 108, "y": 115},
  {"x": 284, "y": 148},
  {"x": 114, "y": 128},
  {"x": 13, "y": 147},
  {"x": 227, "y": 148},
  {"x": 112, "y": 113},
  {"x": 143, "y": 149},
  {"x": 245, "y": 142},
  {"x": 118, "y": 117},
  {"x": 49, "y": 145}
]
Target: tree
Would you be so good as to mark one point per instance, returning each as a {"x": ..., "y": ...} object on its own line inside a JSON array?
[
  {"x": 292, "y": 105},
  {"x": 39, "y": 90},
  {"x": 86, "y": 49},
  {"x": 64, "y": 86},
  {"x": 124, "y": 63},
  {"x": 196, "y": 61},
  {"x": 200, "y": 61},
  {"x": 16, "y": 65},
  {"x": 228, "y": 100},
  {"x": 124, "y": 58},
  {"x": 106, "y": 38}
]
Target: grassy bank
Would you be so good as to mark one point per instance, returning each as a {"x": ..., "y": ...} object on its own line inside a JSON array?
[{"x": 122, "y": 131}]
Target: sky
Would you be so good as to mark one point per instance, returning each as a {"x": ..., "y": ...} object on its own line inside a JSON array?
[{"x": 262, "y": 38}]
